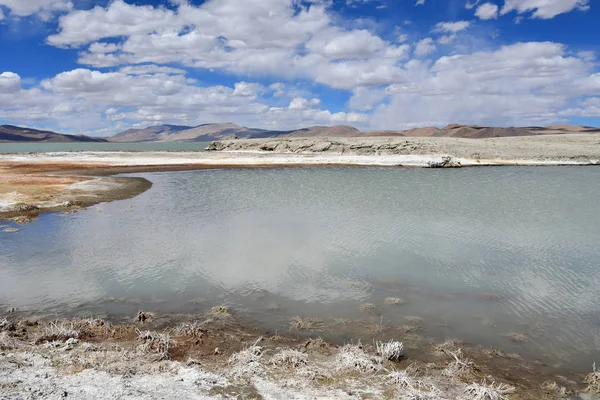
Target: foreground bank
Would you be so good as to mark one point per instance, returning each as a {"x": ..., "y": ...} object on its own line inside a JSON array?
[{"x": 213, "y": 357}]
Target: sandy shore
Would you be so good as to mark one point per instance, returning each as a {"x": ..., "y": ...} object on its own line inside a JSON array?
[
  {"x": 211, "y": 356},
  {"x": 40, "y": 182}
]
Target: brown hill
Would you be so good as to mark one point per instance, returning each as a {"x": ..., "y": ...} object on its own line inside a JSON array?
[
  {"x": 211, "y": 132},
  {"x": 11, "y": 133}
]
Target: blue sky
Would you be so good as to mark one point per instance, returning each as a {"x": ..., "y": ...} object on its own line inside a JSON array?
[{"x": 99, "y": 67}]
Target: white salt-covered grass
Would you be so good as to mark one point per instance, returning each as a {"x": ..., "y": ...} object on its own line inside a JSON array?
[
  {"x": 353, "y": 356},
  {"x": 289, "y": 357},
  {"x": 593, "y": 380},
  {"x": 392, "y": 350},
  {"x": 484, "y": 391},
  {"x": 58, "y": 331},
  {"x": 247, "y": 362}
]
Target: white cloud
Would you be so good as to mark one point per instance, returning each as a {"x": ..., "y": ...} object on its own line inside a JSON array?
[
  {"x": 487, "y": 11},
  {"x": 470, "y": 5},
  {"x": 9, "y": 82},
  {"x": 151, "y": 69},
  {"x": 545, "y": 9},
  {"x": 221, "y": 35},
  {"x": 521, "y": 84},
  {"x": 424, "y": 47},
  {"x": 451, "y": 27},
  {"x": 337, "y": 44},
  {"x": 82, "y": 98},
  {"x": 45, "y": 8},
  {"x": 420, "y": 2},
  {"x": 1, "y": 15}
]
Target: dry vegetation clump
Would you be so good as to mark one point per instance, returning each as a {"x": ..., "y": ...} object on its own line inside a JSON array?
[
  {"x": 420, "y": 390},
  {"x": 553, "y": 387},
  {"x": 394, "y": 301},
  {"x": 143, "y": 316},
  {"x": 516, "y": 337},
  {"x": 484, "y": 391},
  {"x": 306, "y": 324},
  {"x": 315, "y": 373},
  {"x": 369, "y": 308},
  {"x": 247, "y": 362},
  {"x": 58, "y": 331},
  {"x": 593, "y": 381},
  {"x": 392, "y": 350},
  {"x": 155, "y": 343},
  {"x": 7, "y": 342},
  {"x": 448, "y": 348},
  {"x": 191, "y": 330},
  {"x": 6, "y": 325},
  {"x": 289, "y": 357},
  {"x": 460, "y": 368},
  {"x": 353, "y": 356}
]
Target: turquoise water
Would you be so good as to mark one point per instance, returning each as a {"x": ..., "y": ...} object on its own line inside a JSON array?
[
  {"x": 476, "y": 253},
  {"x": 60, "y": 147}
]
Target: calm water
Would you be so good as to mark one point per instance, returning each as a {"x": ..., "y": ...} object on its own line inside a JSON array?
[
  {"x": 60, "y": 147},
  {"x": 321, "y": 242}
]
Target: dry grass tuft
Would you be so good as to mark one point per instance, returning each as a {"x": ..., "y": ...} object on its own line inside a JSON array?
[
  {"x": 400, "y": 379},
  {"x": 483, "y": 391},
  {"x": 58, "y": 331},
  {"x": 392, "y": 350},
  {"x": 308, "y": 324},
  {"x": 7, "y": 342},
  {"x": 459, "y": 367},
  {"x": 289, "y": 357},
  {"x": 247, "y": 361},
  {"x": 155, "y": 343},
  {"x": 369, "y": 308},
  {"x": 192, "y": 330},
  {"x": 353, "y": 356},
  {"x": 6, "y": 325},
  {"x": 394, "y": 301},
  {"x": 420, "y": 390},
  {"x": 553, "y": 387},
  {"x": 143, "y": 316},
  {"x": 448, "y": 348},
  {"x": 516, "y": 337},
  {"x": 593, "y": 381},
  {"x": 220, "y": 310}
]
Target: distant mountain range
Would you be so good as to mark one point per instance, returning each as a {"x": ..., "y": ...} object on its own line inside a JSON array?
[{"x": 211, "y": 132}]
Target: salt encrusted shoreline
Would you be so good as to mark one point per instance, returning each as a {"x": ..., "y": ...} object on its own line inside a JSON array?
[{"x": 66, "y": 182}]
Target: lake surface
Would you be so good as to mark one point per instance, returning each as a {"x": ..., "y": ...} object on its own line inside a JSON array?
[
  {"x": 60, "y": 147},
  {"x": 476, "y": 253}
]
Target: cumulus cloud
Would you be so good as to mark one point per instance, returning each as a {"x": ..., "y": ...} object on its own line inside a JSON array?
[
  {"x": 520, "y": 84},
  {"x": 451, "y": 27},
  {"x": 44, "y": 8},
  {"x": 9, "y": 82},
  {"x": 222, "y": 35},
  {"x": 424, "y": 47},
  {"x": 84, "y": 97},
  {"x": 487, "y": 11},
  {"x": 544, "y": 9}
]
